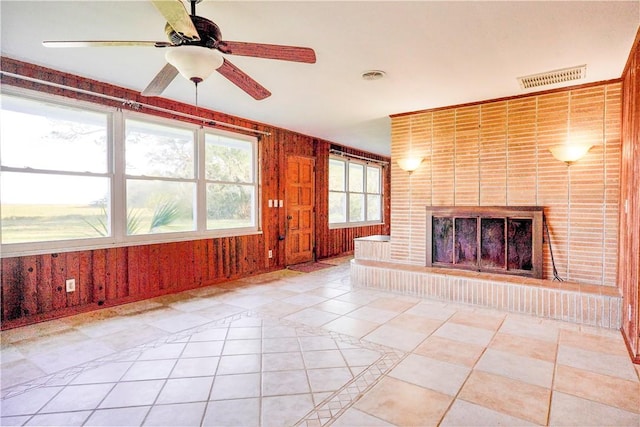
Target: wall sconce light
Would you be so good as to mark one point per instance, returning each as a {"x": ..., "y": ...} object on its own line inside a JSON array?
[
  {"x": 570, "y": 153},
  {"x": 409, "y": 164}
]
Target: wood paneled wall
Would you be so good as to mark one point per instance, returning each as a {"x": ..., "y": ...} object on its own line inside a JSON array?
[
  {"x": 497, "y": 153},
  {"x": 33, "y": 286},
  {"x": 335, "y": 241},
  {"x": 629, "y": 250}
]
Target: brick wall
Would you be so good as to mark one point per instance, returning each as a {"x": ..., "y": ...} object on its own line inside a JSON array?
[{"x": 495, "y": 153}]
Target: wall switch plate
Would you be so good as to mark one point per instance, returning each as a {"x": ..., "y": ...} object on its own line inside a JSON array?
[
  {"x": 270, "y": 203},
  {"x": 281, "y": 204},
  {"x": 71, "y": 285},
  {"x": 270, "y": 253}
]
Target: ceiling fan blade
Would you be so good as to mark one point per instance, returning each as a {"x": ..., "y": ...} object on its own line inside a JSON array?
[
  {"x": 102, "y": 43},
  {"x": 177, "y": 17},
  {"x": 270, "y": 51},
  {"x": 243, "y": 81},
  {"x": 161, "y": 81}
]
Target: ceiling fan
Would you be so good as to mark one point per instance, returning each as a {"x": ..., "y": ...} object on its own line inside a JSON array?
[{"x": 195, "y": 49}]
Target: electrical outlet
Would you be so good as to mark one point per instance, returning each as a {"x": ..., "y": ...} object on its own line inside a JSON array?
[
  {"x": 71, "y": 285},
  {"x": 270, "y": 253}
]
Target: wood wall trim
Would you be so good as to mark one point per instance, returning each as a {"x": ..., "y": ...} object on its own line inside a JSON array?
[
  {"x": 635, "y": 357},
  {"x": 509, "y": 98},
  {"x": 634, "y": 47},
  {"x": 26, "y": 69},
  {"x": 629, "y": 237}
]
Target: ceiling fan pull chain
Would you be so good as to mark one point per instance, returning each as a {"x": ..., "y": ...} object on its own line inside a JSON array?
[{"x": 196, "y": 96}]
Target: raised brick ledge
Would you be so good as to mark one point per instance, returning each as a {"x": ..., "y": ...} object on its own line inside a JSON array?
[{"x": 591, "y": 305}]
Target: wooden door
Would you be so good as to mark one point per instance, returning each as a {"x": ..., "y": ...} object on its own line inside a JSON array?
[{"x": 300, "y": 211}]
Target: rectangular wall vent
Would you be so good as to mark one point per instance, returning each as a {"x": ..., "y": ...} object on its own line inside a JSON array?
[{"x": 553, "y": 77}]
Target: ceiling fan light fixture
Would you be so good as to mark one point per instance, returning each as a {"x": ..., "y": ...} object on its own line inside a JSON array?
[{"x": 195, "y": 63}]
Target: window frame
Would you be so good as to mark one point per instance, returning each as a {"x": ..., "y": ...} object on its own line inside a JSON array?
[
  {"x": 255, "y": 172},
  {"x": 116, "y": 172},
  {"x": 347, "y": 192},
  {"x": 121, "y": 213}
]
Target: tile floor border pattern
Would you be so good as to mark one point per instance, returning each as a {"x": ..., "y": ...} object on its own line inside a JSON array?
[
  {"x": 326, "y": 411},
  {"x": 338, "y": 402},
  {"x": 66, "y": 375}
]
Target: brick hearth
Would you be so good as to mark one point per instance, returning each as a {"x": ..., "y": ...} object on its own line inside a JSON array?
[{"x": 591, "y": 305}]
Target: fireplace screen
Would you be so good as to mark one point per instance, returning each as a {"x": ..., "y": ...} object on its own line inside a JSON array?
[{"x": 494, "y": 239}]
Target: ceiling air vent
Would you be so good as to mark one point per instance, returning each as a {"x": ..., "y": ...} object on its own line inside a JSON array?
[
  {"x": 553, "y": 77},
  {"x": 373, "y": 75}
]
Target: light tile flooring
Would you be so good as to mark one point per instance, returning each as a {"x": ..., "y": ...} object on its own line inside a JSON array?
[{"x": 290, "y": 348}]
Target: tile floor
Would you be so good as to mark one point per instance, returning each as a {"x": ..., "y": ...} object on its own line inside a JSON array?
[{"x": 290, "y": 348}]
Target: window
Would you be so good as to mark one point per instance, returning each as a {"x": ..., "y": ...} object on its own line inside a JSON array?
[
  {"x": 231, "y": 182},
  {"x": 160, "y": 178},
  {"x": 337, "y": 191},
  {"x": 55, "y": 180},
  {"x": 355, "y": 194},
  {"x": 84, "y": 176}
]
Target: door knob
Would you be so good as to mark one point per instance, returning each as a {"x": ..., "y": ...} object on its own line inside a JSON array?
[{"x": 289, "y": 217}]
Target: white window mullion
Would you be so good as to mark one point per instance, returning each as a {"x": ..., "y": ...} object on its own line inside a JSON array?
[
  {"x": 365, "y": 193},
  {"x": 346, "y": 191},
  {"x": 257, "y": 185},
  {"x": 119, "y": 189},
  {"x": 201, "y": 190},
  {"x": 157, "y": 178}
]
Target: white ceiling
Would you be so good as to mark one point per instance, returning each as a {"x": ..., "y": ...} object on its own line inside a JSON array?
[{"x": 434, "y": 53}]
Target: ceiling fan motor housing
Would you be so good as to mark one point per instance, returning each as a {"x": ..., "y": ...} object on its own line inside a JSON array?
[
  {"x": 174, "y": 37},
  {"x": 193, "y": 33},
  {"x": 208, "y": 31}
]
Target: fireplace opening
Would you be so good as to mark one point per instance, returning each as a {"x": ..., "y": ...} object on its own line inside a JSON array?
[{"x": 493, "y": 239}]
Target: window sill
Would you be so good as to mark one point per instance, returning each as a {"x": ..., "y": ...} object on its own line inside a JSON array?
[
  {"x": 354, "y": 225},
  {"x": 25, "y": 249}
]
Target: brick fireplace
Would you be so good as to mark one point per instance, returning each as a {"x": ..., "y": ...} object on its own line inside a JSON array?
[
  {"x": 496, "y": 153},
  {"x": 491, "y": 239}
]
